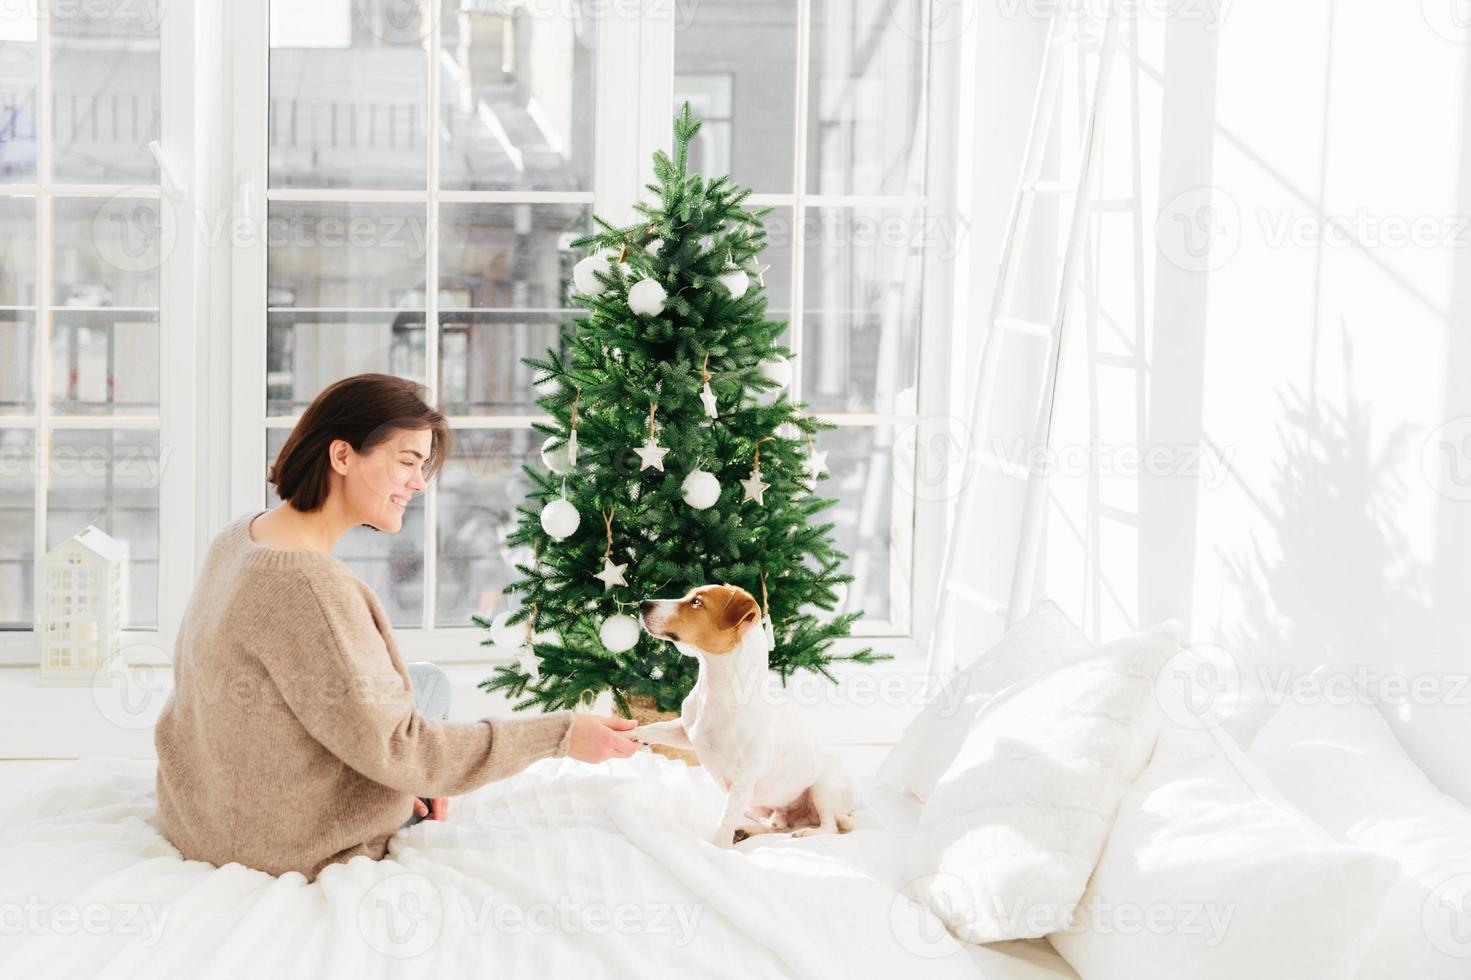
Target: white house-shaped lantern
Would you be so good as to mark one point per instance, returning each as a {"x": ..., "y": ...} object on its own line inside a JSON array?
[{"x": 80, "y": 606}]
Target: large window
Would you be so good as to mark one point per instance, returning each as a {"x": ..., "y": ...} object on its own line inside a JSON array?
[
  {"x": 393, "y": 185},
  {"x": 426, "y": 165},
  {"x": 820, "y": 108},
  {"x": 84, "y": 244}
]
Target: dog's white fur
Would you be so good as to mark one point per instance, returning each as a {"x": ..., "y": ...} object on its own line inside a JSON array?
[{"x": 753, "y": 741}]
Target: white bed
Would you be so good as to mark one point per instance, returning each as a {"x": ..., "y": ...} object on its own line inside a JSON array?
[{"x": 567, "y": 869}]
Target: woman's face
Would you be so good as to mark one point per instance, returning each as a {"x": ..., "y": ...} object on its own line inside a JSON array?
[{"x": 380, "y": 484}]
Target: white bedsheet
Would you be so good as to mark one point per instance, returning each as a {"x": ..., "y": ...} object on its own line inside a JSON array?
[{"x": 566, "y": 869}]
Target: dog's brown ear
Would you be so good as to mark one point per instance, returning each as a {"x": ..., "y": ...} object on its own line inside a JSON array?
[{"x": 740, "y": 611}]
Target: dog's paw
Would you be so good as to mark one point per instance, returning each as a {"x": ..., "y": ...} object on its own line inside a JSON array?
[
  {"x": 723, "y": 840},
  {"x": 808, "y": 832}
]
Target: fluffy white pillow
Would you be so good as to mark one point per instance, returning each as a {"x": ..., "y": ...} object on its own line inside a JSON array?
[
  {"x": 1005, "y": 844},
  {"x": 1042, "y": 641},
  {"x": 1209, "y": 875},
  {"x": 1342, "y": 766}
]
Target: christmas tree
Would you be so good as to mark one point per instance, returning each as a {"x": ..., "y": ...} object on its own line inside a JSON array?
[{"x": 673, "y": 459}]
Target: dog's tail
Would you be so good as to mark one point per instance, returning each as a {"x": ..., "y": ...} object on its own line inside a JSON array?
[{"x": 844, "y": 822}]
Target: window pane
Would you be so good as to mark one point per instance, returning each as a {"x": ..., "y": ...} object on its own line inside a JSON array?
[
  {"x": 105, "y": 90},
  {"x": 107, "y": 252},
  {"x": 870, "y": 530},
  {"x": 709, "y": 96},
  {"x": 306, "y": 351},
  {"x": 104, "y": 363},
  {"x": 479, "y": 490},
  {"x": 777, "y": 256},
  {"x": 392, "y": 564},
  {"x": 104, "y": 337},
  {"x": 345, "y": 291},
  {"x": 18, "y": 74},
  {"x": 737, "y": 61},
  {"x": 346, "y": 256},
  {"x": 348, "y": 94},
  {"x": 507, "y": 256},
  {"x": 110, "y": 479},
  {"x": 860, "y": 311},
  {"x": 865, "y": 116},
  {"x": 509, "y": 263},
  {"x": 517, "y": 93},
  {"x": 17, "y": 337},
  {"x": 17, "y": 527},
  {"x": 480, "y": 367},
  {"x": 17, "y": 246}
]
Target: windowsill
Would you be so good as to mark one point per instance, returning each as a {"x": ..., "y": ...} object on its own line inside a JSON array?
[
  {"x": 441, "y": 646},
  {"x": 869, "y": 705}
]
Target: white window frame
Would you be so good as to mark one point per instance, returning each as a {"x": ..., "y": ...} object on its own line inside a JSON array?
[
  {"x": 224, "y": 290},
  {"x": 907, "y": 636},
  {"x": 175, "y": 421}
]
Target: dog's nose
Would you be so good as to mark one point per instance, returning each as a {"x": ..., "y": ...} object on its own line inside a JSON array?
[{"x": 645, "y": 605}]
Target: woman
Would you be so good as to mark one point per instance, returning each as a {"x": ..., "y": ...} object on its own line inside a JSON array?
[{"x": 291, "y": 739}]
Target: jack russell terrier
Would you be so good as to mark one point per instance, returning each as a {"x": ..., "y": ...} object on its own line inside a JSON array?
[{"x": 757, "y": 747}]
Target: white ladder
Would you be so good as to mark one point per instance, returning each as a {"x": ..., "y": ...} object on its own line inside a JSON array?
[{"x": 1069, "y": 30}]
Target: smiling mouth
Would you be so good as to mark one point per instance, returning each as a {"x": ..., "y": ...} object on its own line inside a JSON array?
[{"x": 402, "y": 503}]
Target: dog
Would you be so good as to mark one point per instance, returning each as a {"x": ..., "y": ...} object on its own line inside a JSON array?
[{"x": 775, "y": 773}]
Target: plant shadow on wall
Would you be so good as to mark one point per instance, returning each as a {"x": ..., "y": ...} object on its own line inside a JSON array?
[{"x": 1343, "y": 588}]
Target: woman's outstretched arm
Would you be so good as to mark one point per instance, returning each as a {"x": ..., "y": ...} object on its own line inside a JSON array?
[{"x": 338, "y": 679}]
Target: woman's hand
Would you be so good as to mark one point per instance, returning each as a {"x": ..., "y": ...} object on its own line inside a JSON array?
[
  {"x": 595, "y": 738},
  {"x": 441, "y": 808}
]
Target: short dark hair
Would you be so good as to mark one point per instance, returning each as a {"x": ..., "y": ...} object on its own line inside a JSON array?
[{"x": 366, "y": 410}]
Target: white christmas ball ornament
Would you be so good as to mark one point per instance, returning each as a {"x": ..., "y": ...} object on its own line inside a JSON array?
[
  {"x": 700, "y": 489},
  {"x": 555, "y": 457},
  {"x": 619, "y": 633},
  {"x": 584, "y": 274},
  {"x": 503, "y": 634},
  {"x": 646, "y": 298},
  {"x": 778, "y": 369},
  {"x": 654, "y": 246},
  {"x": 559, "y": 519},
  {"x": 736, "y": 282}
]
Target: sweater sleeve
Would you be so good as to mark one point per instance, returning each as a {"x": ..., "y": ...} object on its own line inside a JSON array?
[{"x": 333, "y": 670}]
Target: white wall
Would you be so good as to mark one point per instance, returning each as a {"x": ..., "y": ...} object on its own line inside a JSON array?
[{"x": 1325, "y": 372}]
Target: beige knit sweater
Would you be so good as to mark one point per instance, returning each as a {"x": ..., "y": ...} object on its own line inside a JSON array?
[{"x": 290, "y": 740}]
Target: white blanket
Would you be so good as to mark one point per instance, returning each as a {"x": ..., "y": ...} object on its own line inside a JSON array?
[{"x": 566, "y": 869}]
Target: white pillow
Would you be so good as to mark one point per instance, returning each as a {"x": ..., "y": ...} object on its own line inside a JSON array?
[
  {"x": 1042, "y": 641},
  {"x": 1005, "y": 844},
  {"x": 1210, "y": 875},
  {"x": 1342, "y": 766}
]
